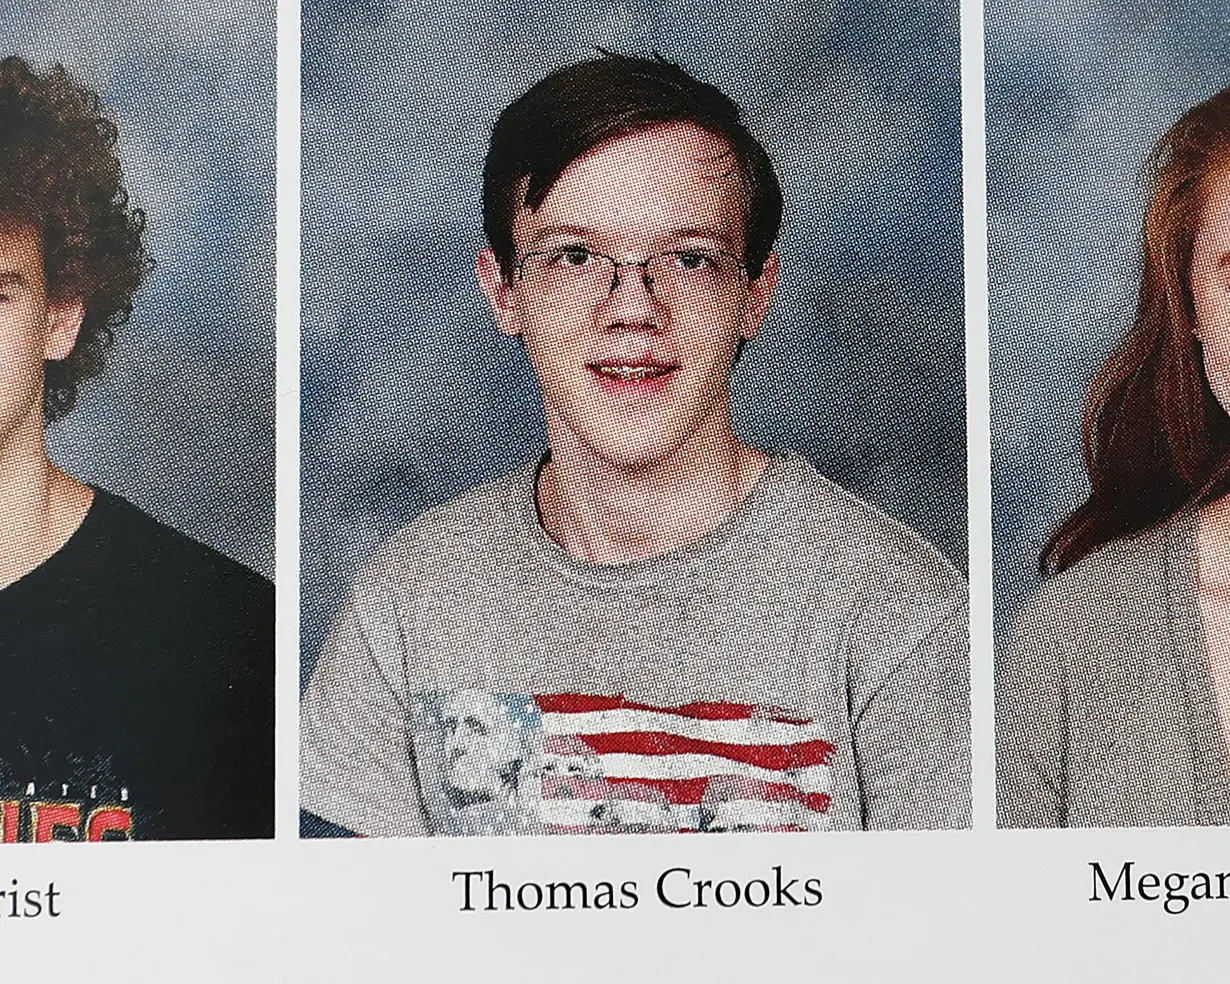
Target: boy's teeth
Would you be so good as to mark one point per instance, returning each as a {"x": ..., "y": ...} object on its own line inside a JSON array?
[{"x": 632, "y": 372}]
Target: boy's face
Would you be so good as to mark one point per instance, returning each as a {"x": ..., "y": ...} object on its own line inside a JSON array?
[
  {"x": 631, "y": 370},
  {"x": 32, "y": 329}
]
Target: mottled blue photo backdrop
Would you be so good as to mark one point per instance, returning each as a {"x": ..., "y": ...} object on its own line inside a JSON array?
[
  {"x": 182, "y": 421},
  {"x": 410, "y": 396},
  {"x": 1077, "y": 94}
]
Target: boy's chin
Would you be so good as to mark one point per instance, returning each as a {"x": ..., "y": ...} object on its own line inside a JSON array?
[{"x": 633, "y": 456}]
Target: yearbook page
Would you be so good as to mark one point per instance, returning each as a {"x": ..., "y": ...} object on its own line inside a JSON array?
[{"x": 641, "y": 492}]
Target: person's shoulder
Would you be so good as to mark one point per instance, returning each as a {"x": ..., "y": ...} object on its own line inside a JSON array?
[
  {"x": 1126, "y": 571},
  {"x": 453, "y": 533},
  {"x": 848, "y": 536},
  {"x": 895, "y": 596},
  {"x": 1118, "y": 589},
  {"x": 155, "y": 551},
  {"x": 209, "y": 618}
]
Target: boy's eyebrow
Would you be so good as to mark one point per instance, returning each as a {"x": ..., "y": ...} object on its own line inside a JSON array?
[
  {"x": 546, "y": 232},
  {"x": 583, "y": 232},
  {"x": 13, "y": 278},
  {"x": 715, "y": 234}
]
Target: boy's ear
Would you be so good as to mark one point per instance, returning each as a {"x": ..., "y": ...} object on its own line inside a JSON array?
[
  {"x": 759, "y": 293},
  {"x": 63, "y": 325},
  {"x": 498, "y": 291}
]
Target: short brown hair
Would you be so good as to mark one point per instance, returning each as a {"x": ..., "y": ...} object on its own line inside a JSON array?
[
  {"x": 575, "y": 108},
  {"x": 59, "y": 174}
]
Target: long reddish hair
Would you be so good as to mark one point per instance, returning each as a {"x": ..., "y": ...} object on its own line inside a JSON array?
[{"x": 1156, "y": 441}]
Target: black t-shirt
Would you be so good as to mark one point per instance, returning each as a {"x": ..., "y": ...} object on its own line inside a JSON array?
[{"x": 136, "y": 689}]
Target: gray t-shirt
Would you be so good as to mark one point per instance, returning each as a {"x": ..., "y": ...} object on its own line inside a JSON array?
[{"x": 803, "y": 666}]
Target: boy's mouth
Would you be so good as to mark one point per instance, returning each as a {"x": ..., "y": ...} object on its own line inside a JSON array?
[{"x": 631, "y": 371}]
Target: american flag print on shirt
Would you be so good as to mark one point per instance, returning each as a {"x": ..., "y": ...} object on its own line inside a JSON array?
[{"x": 498, "y": 763}]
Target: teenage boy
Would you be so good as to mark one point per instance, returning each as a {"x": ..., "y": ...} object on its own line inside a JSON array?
[
  {"x": 656, "y": 626},
  {"x": 136, "y": 665}
]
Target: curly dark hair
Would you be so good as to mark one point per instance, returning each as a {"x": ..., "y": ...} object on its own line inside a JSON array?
[{"x": 60, "y": 175}]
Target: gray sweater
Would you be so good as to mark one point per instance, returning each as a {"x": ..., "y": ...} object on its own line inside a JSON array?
[{"x": 1104, "y": 706}]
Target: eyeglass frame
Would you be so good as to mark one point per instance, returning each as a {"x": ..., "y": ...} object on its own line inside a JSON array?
[{"x": 647, "y": 280}]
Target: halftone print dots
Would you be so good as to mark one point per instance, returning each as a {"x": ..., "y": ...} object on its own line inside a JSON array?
[
  {"x": 181, "y": 422},
  {"x": 717, "y": 638},
  {"x": 138, "y": 661},
  {"x": 411, "y": 395},
  {"x": 1076, "y": 96},
  {"x": 1112, "y": 678}
]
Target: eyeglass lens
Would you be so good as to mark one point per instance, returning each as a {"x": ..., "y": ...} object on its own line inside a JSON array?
[{"x": 671, "y": 277}]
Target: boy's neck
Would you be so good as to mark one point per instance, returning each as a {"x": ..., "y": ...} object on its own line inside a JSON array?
[
  {"x": 611, "y": 514},
  {"x": 40, "y": 506}
]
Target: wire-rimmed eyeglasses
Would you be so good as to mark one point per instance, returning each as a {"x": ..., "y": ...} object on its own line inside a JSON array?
[{"x": 672, "y": 276}]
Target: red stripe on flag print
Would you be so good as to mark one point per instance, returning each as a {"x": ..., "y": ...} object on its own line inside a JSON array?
[
  {"x": 611, "y": 764},
  {"x": 708, "y": 710},
  {"x": 680, "y": 792},
  {"x": 776, "y": 757},
  {"x": 577, "y": 829}
]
